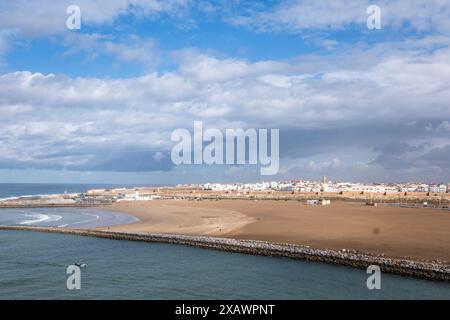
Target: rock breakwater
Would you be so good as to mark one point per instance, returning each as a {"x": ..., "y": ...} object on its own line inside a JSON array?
[{"x": 435, "y": 270}]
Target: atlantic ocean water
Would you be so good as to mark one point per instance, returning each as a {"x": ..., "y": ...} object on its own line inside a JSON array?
[
  {"x": 33, "y": 266},
  {"x": 13, "y": 190}
]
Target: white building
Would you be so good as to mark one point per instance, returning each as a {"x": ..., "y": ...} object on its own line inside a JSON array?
[
  {"x": 136, "y": 197},
  {"x": 442, "y": 188}
]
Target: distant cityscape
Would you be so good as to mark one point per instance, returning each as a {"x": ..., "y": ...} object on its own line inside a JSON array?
[{"x": 325, "y": 185}]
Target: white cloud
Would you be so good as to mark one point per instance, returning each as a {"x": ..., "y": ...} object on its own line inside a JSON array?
[
  {"x": 53, "y": 120},
  {"x": 131, "y": 48},
  {"x": 444, "y": 126},
  {"x": 45, "y": 17},
  {"x": 158, "y": 156},
  {"x": 24, "y": 20},
  {"x": 299, "y": 15},
  {"x": 205, "y": 68}
]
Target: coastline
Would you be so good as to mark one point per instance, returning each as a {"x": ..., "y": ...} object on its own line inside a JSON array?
[
  {"x": 350, "y": 258},
  {"x": 416, "y": 234},
  {"x": 406, "y": 241}
]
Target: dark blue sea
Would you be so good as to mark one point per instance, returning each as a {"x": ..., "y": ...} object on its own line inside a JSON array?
[{"x": 33, "y": 266}]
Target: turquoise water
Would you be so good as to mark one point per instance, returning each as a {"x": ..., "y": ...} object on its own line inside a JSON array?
[{"x": 33, "y": 265}]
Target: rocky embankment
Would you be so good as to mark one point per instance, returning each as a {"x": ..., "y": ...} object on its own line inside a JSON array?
[{"x": 436, "y": 270}]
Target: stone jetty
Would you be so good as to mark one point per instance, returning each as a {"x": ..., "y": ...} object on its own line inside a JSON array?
[{"x": 434, "y": 270}]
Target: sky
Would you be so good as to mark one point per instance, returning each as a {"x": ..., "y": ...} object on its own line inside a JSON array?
[{"x": 98, "y": 104}]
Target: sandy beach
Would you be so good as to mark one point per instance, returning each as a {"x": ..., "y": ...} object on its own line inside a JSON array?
[
  {"x": 174, "y": 217},
  {"x": 394, "y": 231}
]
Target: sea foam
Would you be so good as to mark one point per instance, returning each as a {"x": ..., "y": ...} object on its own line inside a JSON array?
[{"x": 39, "y": 217}]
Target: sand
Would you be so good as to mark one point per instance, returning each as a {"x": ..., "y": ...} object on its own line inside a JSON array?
[
  {"x": 171, "y": 217},
  {"x": 394, "y": 231}
]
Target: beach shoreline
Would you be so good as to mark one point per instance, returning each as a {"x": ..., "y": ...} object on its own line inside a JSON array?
[
  {"x": 418, "y": 234},
  {"x": 384, "y": 232}
]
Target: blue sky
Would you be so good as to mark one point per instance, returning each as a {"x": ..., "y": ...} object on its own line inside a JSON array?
[
  {"x": 193, "y": 29},
  {"x": 98, "y": 104}
]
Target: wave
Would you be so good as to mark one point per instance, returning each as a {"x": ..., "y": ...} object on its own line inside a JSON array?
[
  {"x": 9, "y": 198},
  {"x": 63, "y": 217},
  {"x": 25, "y": 196},
  {"x": 29, "y": 196},
  {"x": 40, "y": 217}
]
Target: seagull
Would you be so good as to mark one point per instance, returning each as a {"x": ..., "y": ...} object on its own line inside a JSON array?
[{"x": 81, "y": 265}]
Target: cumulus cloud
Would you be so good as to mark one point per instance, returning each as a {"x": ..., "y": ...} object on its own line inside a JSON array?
[
  {"x": 332, "y": 109},
  {"x": 54, "y": 121},
  {"x": 402, "y": 157}
]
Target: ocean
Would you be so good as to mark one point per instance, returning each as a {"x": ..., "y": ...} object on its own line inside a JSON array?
[
  {"x": 80, "y": 218},
  {"x": 33, "y": 266},
  {"x": 14, "y": 190},
  {"x": 57, "y": 217}
]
